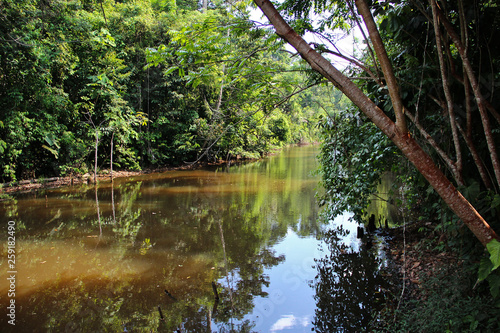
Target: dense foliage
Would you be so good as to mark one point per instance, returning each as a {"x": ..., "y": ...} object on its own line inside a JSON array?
[
  {"x": 355, "y": 150},
  {"x": 453, "y": 118},
  {"x": 80, "y": 79}
]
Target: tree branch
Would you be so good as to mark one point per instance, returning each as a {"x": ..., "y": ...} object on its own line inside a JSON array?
[
  {"x": 449, "y": 102},
  {"x": 385, "y": 63}
]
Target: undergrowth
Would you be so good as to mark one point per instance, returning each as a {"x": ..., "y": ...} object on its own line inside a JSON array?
[{"x": 448, "y": 301}]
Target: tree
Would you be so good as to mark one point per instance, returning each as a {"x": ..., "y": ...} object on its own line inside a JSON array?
[
  {"x": 243, "y": 80},
  {"x": 396, "y": 130}
]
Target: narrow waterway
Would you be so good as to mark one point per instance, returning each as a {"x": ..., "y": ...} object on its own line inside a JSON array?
[{"x": 222, "y": 249}]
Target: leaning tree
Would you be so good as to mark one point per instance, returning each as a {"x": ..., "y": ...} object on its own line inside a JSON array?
[{"x": 451, "y": 46}]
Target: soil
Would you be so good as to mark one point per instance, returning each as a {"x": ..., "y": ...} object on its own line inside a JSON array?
[
  {"x": 104, "y": 175},
  {"x": 415, "y": 257}
]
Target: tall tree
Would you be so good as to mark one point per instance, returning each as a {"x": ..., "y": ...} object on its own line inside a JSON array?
[{"x": 395, "y": 130}]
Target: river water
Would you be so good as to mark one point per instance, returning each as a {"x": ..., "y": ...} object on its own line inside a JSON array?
[{"x": 239, "y": 249}]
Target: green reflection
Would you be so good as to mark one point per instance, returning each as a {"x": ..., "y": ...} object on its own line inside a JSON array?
[
  {"x": 100, "y": 258},
  {"x": 384, "y": 203}
]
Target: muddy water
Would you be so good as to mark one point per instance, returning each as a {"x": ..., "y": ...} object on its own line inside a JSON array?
[
  {"x": 239, "y": 249},
  {"x": 141, "y": 253}
]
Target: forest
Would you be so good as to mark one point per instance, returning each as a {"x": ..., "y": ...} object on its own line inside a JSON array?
[
  {"x": 135, "y": 84},
  {"x": 141, "y": 84}
]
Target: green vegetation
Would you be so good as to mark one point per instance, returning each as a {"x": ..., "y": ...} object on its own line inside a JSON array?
[
  {"x": 445, "y": 120},
  {"x": 141, "y": 84},
  {"x": 144, "y": 83}
]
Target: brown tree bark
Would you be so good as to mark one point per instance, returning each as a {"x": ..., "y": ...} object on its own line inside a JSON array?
[
  {"x": 457, "y": 170},
  {"x": 408, "y": 146},
  {"x": 474, "y": 82},
  {"x": 385, "y": 63}
]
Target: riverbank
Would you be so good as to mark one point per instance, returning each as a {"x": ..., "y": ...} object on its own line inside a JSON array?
[
  {"x": 416, "y": 252},
  {"x": 28, "y": 185},
  {"x": 435, "y": 289}
]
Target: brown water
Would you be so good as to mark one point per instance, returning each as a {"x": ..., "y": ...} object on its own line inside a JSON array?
[
  {"x": 101, "y": 259},
  {"x": 142, "y": 254}
]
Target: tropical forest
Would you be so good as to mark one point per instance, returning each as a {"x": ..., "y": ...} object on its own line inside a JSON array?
[{"x": 249, "y": 166}]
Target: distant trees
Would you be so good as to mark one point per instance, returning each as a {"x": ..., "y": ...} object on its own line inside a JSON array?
[{"x": 77, "y": 77}]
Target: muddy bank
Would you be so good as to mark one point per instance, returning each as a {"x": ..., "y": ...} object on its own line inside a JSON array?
[
  {"x": 104, "y": 175},
  {"x": 414, "y": 252}
]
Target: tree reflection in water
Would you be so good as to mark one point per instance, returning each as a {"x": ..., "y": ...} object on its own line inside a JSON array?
[
  {"x": 349, "y": 286},
  {"x": 100, "y": 258}
]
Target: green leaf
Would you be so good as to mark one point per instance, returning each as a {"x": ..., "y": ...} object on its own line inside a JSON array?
[
  {"x": 170, "y": 70},
  {"x": 51, "y": 140},
  {"x": 496, "y": 201},
  {"x": 485, "y": 268},
  {"x": 3, "y": 145},
  {"x": 196, "y": 82},
  {"x": 494, "y": 281},
  {"x": 494, "y": 250},
  {"x": 53, "y": 151}
]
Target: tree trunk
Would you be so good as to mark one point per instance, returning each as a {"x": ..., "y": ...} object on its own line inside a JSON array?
[
  {"x": 111, "y": 158},
  {"x": 403, "y": 141},
  {"x": 474, "y": 82},
  {"x": 385, "y": 63},
  {"x": 95, "y": 157},
  {"x": 457, "y": 166}
]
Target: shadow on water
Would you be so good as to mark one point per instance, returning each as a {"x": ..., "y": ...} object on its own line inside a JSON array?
[{"x": 349, "y": 284}]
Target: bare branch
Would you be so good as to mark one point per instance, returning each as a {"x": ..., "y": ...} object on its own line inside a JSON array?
[
  {"x": 385, "y": 63},
  {"x": 449, "y": 102}
]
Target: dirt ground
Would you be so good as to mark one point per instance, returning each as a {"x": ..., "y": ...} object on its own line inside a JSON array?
[
  {"x": 413, "y": 260},
  {"x": 104, "y": 175}
]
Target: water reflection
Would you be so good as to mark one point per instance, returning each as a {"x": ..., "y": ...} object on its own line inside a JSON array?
[
  {"x": 349, "y": 285},
  {"x": 142, "y": 253}
]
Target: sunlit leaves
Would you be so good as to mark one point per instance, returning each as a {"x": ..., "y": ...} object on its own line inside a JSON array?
[
  {"x": 354, "y": 156},
  {"x": 241, "y": 75},
  {"x": 494, "y": 250},
  {"x": 487, "y": 268},
  {"x": 327, "y": 15},
  {"x": 103, "y": 37}
]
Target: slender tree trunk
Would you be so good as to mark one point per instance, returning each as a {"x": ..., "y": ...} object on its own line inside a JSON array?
[
  {"x": 474, "y": 82},
  {"x": 111, "y": 158},
  {"x": 408, "y": 146},
  {"x": 457, "y": 165},
  {"x": 449, "y": 162},
  {"x": 385, "y": 63},
  {"x": 95, "y": 157},
  {"x": 104, "y": 14},
  {"x": 483, "y": 172}
]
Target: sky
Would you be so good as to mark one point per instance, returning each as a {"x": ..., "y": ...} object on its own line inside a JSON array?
[{"x": 345, "y": 43}]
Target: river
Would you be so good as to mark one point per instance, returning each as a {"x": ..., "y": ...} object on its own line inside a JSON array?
[{"x": 224, "y": 249}]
